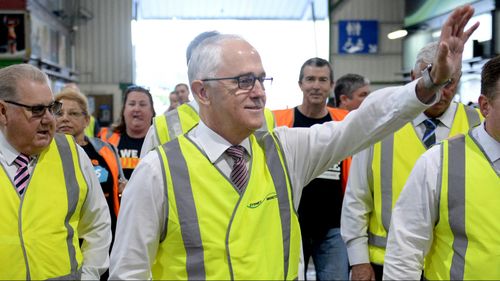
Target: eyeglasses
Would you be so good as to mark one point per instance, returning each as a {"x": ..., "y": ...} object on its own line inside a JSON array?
[
  {"x": 246, "y": 81},
  {"x": 39, "y": 110},
  {"x": 71, "y": 114}
]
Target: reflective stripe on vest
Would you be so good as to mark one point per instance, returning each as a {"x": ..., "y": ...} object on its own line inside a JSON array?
[
  {"x": 72, "y": 189},
  {"x": 456, "y": 205},
  {"x": 44, "y": 238},
  {"x": 186, "y": 208},
  {"x": 280, "y": 180},
  {"x": 463, "y": 114}
]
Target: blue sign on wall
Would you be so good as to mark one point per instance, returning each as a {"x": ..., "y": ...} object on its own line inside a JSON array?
[{"x": 358, "y": 36}]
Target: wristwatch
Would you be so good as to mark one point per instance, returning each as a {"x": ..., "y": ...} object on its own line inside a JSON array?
[{"x": 428, "y": 83}]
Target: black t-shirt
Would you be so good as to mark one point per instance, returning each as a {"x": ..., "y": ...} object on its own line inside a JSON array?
[
  {"x": 129, "y": 150},
  {"x": 321, "y": 202}
]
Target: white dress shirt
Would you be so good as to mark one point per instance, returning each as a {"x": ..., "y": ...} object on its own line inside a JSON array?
[
  {"x": 415, "y": 213},
  {"x": 95, "y": 222},
  {"x": 358, "y": 198},
  {"x": 308, "y": 153}
]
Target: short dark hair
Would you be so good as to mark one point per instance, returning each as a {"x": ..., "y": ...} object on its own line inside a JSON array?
[
  {"x": 197, "y": 40},
  {"x": 347, "y": 84},
  {"x": 182, "y": 84},
  {"x": 490, "y": 78},
  {"x": 317, "y": 62},
  {"x": 121, "y": 127}
]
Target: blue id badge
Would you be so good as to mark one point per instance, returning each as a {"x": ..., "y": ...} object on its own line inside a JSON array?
[{"x": 101, "y": 173}]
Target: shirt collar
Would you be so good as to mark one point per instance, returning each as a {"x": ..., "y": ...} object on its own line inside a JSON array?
[
  {"x": 490, "y": 146},
  {"x": 194, "y": 105},
  {"x": 446, "y": 119},
  {"x": 8, "y": 151},
  {"x": 212, "y": 143}
]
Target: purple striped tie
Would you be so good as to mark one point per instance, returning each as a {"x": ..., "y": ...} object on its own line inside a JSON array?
[
  {"x": 22, "y": 175},
  {"x": 239, "y": 174}
]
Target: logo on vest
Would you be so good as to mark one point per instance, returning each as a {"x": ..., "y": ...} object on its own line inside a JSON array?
[{"x": 269, "y": 196}]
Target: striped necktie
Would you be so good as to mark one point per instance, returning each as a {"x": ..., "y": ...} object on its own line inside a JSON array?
[
  {"x": 239, "y": 174},
  {"x": 22, "y": 175},
  {"x": 430, "y": 132}
]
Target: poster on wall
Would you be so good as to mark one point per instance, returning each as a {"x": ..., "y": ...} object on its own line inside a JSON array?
[
  {"x": 48, "y": 42},
  {"x": 12, "y": 35}
]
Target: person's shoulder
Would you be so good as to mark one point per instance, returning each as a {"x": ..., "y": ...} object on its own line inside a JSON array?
[
  {"x": 338, "y": 113},
  {"x": 280, "y": 111}
]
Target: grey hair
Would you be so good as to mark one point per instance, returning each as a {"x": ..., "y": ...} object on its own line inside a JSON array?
[
  {"x": 207, "y": 57},
  {"x": 425, "y": 56},
  {"x": 11, "y": 75},
  {"x": 348, "y": 84},
  {"x": 197, "y": 40}
]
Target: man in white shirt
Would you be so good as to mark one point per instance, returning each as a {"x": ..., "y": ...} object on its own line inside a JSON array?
[
  {"x": 50, "y": 197},
  {"x": 378, "y": 173},
  {"x": 195, "y": 209},
  {"x": 449, "y": 208}
]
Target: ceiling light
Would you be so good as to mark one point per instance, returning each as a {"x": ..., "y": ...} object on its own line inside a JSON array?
[{"x": 397, "y": 34}]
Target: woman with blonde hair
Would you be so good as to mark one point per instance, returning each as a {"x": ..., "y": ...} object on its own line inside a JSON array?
[{"x": 72, "y": 119}]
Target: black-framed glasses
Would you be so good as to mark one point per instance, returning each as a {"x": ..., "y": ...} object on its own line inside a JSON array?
[
  {"x": 39, "y": 110},
  {"x": 245, "y": 81}
]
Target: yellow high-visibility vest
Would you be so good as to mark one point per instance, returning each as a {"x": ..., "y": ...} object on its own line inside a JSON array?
[
  {"x": 39, "y": 231},
  {"x": 214, "y": 233},
  {"x": 466, "y": 244},
  {"x": 393, "y": 159}
]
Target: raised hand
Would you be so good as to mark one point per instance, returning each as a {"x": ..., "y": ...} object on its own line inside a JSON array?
[{"x": 448, "y": 59}]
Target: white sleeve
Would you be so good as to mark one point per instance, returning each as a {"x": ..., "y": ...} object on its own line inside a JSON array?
[
  {"x": 310, "y": 151},
  {"x": 413, "y": 219},
  {"x": 150, "y": 141},
  {"x": 95, "y": 224},
  {"x": 143, "y": 204},
  {"x": 356, "y": 208}
]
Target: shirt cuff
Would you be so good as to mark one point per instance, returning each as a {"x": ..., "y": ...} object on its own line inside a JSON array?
[
  {"x": 358, "y": 254},
  {"x": 437, "y": 96}
]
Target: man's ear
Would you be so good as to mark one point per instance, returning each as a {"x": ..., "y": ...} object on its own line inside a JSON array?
[
  {"x": 484, "y": 105},
  {"x": 3, "y": 113},
  {"x": 344, "y": 99},
  {"x": 199, "y": 92},
  {"x": 412, "y": 75}
]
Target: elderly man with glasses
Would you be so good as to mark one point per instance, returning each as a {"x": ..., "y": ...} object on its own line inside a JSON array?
[
  {"x": 55, "y": 223},
  {"x": 219, "y": 202}
]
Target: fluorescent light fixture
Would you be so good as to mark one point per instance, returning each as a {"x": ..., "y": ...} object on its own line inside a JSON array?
[{"x": 397, "y": 34}]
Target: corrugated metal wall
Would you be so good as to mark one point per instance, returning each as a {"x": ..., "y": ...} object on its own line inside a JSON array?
[
  {"x": 103, "y": 52},
  {"x": 385, "y": 67}
]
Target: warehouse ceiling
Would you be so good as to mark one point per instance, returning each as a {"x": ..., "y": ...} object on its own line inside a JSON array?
[{"x": 231, "y": 9}]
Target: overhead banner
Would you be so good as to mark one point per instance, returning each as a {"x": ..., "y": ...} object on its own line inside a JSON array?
[{"x": 358, "y": 37}]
